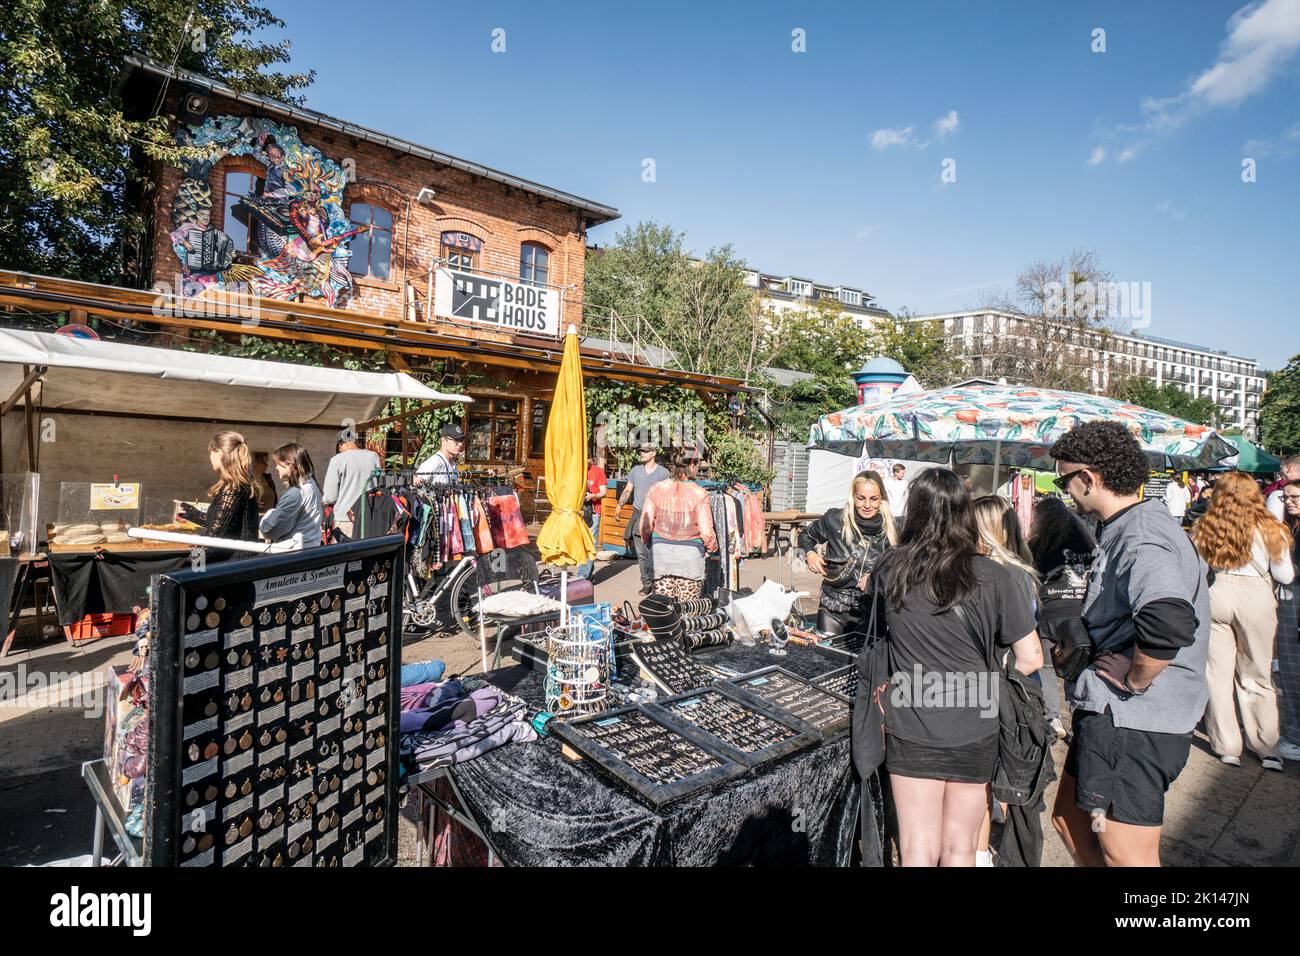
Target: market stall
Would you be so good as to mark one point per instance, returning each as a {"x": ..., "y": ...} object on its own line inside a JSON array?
[{"x": 118, "y": 434}]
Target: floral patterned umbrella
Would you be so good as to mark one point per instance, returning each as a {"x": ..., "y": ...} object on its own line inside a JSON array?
[{"x": 1010, "y": 424}]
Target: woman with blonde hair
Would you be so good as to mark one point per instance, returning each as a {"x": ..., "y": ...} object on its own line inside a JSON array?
[
  {"x": 843, "y": 546},
  {"x": 233, "y": 511},
  {"x": 1248, "y": 549}
]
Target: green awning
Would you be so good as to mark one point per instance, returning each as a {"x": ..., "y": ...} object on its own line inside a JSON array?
[{"x": 1253, "y": 458}]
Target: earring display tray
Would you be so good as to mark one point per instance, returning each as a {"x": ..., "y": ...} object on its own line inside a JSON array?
[
  {"x": 669, "y": 667},
  {"x": 849, "y": 643},
  {"x": 275, "y": 710},
  {"x": 648, "y": 756},
  {"x": 749, "y": 731},
  {"x": 827, "y": 712},
  {"x": 843, "y": 681}
]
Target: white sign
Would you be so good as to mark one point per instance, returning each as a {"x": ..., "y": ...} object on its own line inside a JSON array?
[
  {"x": 299, "y": 585},
  {"x": 494, "y": 300}
]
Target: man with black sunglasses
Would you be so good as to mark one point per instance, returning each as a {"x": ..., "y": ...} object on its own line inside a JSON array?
[{"x": 1147, "y": 610}]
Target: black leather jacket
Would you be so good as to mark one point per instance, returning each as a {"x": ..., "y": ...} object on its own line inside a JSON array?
[{"x": 845, "y": 563}]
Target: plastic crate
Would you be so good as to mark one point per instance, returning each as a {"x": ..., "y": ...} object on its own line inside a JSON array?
[{"x": 94, "y": 626}]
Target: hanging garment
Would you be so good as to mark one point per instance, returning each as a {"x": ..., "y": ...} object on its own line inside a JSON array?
[
  {"x": 482, "y": 529},
  {"x": 507, "y": 521}
]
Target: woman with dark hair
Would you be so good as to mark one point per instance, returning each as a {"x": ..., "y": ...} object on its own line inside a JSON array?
[
  {"x": 853, "y": 538},
  {"x": 299, "y": 508},
  {"x": 1288, "y": 634},
  {"x": 1061, "y": 546},
  {"x": 946, "y": 606},
  {"x": 1249, "y": 550},
  {"x": 677, "y": 525},
  {"x": 233, "y": 511}
]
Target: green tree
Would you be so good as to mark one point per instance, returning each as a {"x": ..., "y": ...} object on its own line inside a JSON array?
[
  {"x": 1168, "y": 399},
  {"x": 67, "y": 140},
  {"x": 1279, "y": 410},
  {"x": 920, "y": 348}
]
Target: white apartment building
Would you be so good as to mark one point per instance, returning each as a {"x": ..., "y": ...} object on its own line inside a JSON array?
[
  {"x": 794, "y": 294},
  {"x": 1231, "y": 381}
]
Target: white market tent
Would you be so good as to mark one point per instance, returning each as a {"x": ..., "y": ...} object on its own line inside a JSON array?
[{"x": 109, "y": 377}]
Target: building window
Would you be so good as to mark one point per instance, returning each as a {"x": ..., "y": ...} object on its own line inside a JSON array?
[
  {"x": 372, "y": 250},
  {"x": 460, "y": 250},
  {"x": 492, "y": 430},
  {"x": 534, "y": 263},
  {"x": 800, "y": 288},
  {"x": 537, "y": 432},
  {"x": 237, "y": 186}
]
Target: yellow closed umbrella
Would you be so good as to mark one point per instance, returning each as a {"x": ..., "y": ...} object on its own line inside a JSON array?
[{"x": 565, "y": 538}]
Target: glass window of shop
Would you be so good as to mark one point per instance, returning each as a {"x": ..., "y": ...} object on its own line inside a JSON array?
[
  {"x": 534, "y": 263},
  {"x": 537, "y": 428},
  {"x": 492, "y": 431}
]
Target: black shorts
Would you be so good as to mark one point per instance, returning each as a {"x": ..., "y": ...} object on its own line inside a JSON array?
[
  {"x": 966, "y": 763},
  {"x": 1121, "y": 771}
]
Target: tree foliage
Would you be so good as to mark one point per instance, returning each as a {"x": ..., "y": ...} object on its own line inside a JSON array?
[
  {"x": 1168, "y": 399},
  {"x": 1279, "y": 410},
  {"x": 66, "y": 138},
  {"x": 700, "y": 310}
]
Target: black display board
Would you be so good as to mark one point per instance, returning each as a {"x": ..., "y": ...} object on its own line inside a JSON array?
[
  {"x": 669, "y": 667},
  {"x": 648, "y": 755},
  {"x": 275, "y": 706},
  {"x": 843, "y": 681},
  {"x": 748, "y": 731},
  {"x": 825, "y": 711}
]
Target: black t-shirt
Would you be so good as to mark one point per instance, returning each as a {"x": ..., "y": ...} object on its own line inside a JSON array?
[{"x": 951, "y": 699}]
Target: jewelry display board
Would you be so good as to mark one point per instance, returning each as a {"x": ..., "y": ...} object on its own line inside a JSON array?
[
  {"x": 827, "y": 712},
  {"x": 275, "y": 710},
  {"x": 849, "y": 643},
  {"x": 650, "y": 757},
  {"x": 843, "y": 681},
  {"x": 669, "y": 667},
  {"x": 750, "y": 732}
]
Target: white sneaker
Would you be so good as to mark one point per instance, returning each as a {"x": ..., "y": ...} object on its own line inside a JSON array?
[
  {"x": 1230, "y": 761},
  {"x": 1271, "y": 763},
  {"x": 1287, "y": 750},
  {"x": 1058, "y": 728},
  {"x": 983, "y": 857}
]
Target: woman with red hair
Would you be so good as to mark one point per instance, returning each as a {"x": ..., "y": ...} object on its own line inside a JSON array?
[{"x": 1248, "y": 549}]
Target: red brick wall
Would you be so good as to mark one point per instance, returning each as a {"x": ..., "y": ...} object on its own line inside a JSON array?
[{"x": 502, "y": 217}]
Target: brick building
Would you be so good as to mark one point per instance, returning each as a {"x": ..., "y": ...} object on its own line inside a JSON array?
[{"x": 326, "y": 231}]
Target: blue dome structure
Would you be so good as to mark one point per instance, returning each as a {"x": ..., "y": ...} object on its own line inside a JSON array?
[{"x": 878, "y": 378}]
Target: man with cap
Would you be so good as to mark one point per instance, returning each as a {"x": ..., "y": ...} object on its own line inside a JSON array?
[
  {"x": 441, "y": 469},
  {"x": 640, "y": 480},
  {"x": 346, "y": 479}
]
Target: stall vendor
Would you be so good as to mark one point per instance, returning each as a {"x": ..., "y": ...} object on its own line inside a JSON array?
[{"x": 233, "y": 511}]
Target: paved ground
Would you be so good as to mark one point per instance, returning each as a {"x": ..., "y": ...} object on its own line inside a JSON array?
[{"x": 1216, "y": 815}]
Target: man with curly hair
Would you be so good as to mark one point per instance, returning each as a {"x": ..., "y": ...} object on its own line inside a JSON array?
[{"x": 1147, "y": 610}]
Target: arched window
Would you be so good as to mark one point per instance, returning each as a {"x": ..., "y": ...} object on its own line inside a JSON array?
[
  {"x": 460, "y": 250},
  {"x": 534, "y": 263},
  {"x": 239, "y": 184},
  {"x": 372, "y": 251}
]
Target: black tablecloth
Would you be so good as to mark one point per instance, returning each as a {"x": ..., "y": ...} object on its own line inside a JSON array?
[
  {"x": 104, "y": 581},
  {"x": 540, "y": 809}
]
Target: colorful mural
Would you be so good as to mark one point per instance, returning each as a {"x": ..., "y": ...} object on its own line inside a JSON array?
[{"x": 297, "y": 231}]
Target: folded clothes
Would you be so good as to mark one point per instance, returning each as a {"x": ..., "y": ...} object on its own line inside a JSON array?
[
  {"x": 430, "y": 706},
  {"x": 422, "y": 672},
  {"x": 458, "y": 742}
]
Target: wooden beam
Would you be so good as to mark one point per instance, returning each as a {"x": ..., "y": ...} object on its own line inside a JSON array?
[{"x": 25, "y": 387}]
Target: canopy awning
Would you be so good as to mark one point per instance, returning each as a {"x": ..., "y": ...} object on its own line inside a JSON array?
[{"x": 113, "y": 378}]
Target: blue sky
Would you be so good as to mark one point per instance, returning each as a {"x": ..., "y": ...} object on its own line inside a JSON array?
[{"x": 827, "y": 163}]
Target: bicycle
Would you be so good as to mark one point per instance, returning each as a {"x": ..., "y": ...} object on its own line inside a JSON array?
[{"x": 443, "y": 602}]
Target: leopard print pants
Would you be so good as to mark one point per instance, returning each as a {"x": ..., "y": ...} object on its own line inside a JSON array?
[{"x": 684, "y": 589}]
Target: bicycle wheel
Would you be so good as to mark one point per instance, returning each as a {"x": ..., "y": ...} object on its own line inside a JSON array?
[{"x": 463, "y": 601}]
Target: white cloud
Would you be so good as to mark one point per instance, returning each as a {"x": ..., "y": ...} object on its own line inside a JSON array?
[
  {"x": 946, "y": 124},
  {"x": 1098, "y": 156},
  {"x": 864, "y": 232},
  {"x": 1127, "y": 153},
  {"x": 1172, "y": 211},
  {"x": 1262, "y": 39},
  {"x": 1286, "y": 143},
  {"x": 882, "y": 139}
]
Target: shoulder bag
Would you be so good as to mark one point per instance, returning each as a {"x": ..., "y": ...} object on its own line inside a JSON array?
[
  {"x": 868, "y": 726},
  {"x": 1024, "y": 768}
]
